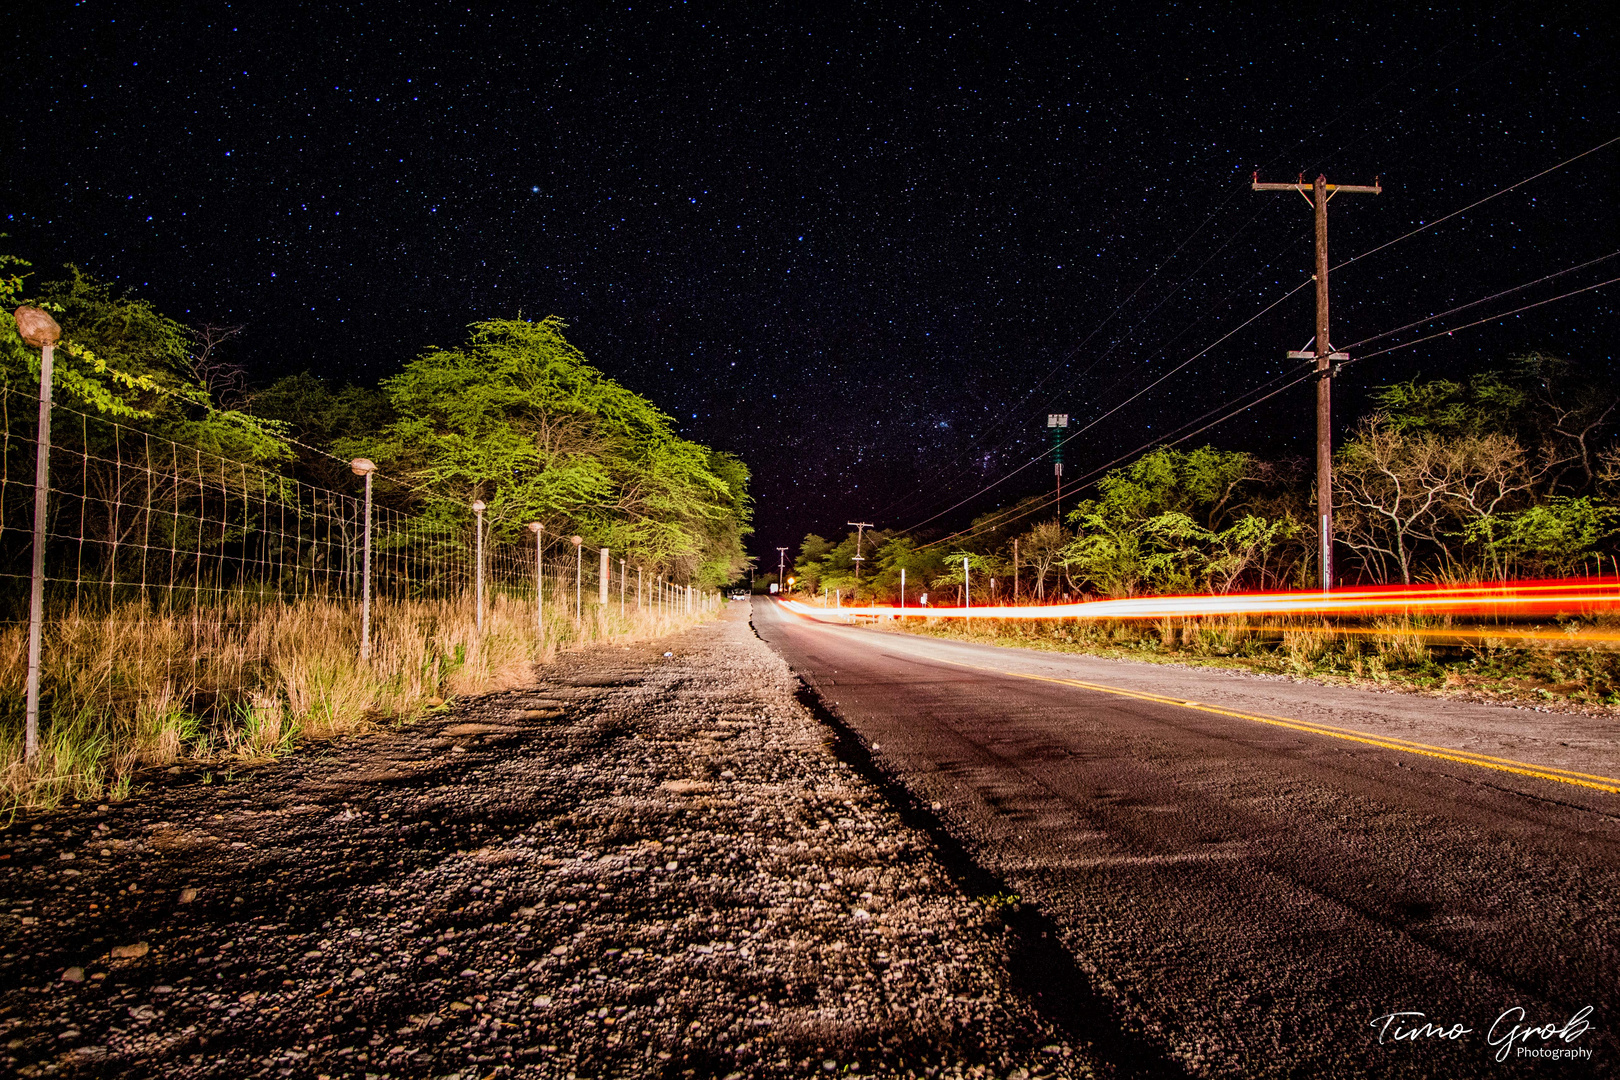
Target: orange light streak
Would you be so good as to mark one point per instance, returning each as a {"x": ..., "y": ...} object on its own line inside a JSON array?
[{"x": 1521, "y": 599}]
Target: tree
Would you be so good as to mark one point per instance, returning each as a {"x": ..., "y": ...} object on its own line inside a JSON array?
[
  {"x": 1182, "y": 520},
  {"x": 1412, "y": 498},
  {"x": 1042, "y": 547},
  {"x": 518, "y": 418},
  {"x": 1554, "y": 538}
]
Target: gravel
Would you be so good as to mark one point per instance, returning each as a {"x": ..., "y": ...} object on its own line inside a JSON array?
[{"x": 651, "y": 863}]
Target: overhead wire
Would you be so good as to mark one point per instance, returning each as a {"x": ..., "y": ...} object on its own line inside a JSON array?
[
  {"x": 1426, "y": 226},
  {"x": 1006, "y": 412},
  {"x": 1481, "y": 322},
  {"x": 1178, "y": 435},
  {"x": 1482, "y": 300},
  {"x": 1040, "y": 457},
  {"x": 1181, "y": 435},
  {"x": 1381, "y": 247}
]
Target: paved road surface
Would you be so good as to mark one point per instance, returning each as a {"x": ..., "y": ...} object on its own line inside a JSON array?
[{"x": 1254, "y": 870}]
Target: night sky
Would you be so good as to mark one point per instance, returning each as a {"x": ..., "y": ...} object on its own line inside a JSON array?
[{"x": 867, "y": 248}]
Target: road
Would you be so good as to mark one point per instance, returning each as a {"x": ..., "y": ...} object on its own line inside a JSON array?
[{"x": 1254, "y": 871}]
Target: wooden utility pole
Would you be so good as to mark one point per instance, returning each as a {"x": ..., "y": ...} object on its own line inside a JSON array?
[
  {"x": 1318, "y": 194},
  {"x": 860, "y": 531}
]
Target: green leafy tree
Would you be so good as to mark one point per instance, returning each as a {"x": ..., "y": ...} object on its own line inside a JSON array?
[
  {"x": 901, "y": 552},
  {"x": 518, "y": 418},
  {"x": 1182, "y": 520}
]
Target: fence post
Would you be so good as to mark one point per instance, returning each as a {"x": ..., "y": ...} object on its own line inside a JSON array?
[
  {"x": 365, "y": 467},
  {"x": 621, "y": 588},
  {"x": 40, "y": 330},
  {"x": 638, "y": 588},
  {"x": 478, "y": 562},
  {"x": 579, "y": 566},
  {"x": 602, "y": 580},
  {"x": 539, "y": 531},
  {"x": 967, "y": 599}
]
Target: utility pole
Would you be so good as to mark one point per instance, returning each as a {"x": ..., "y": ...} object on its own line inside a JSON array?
[
  {"x": 781, "y": 570},
  {"x": 1056, "y": 425},
  {"x": 860, "y": 531},
  {"x": 1015, "y": 570},
  {"x": 1318, "y": 194}
]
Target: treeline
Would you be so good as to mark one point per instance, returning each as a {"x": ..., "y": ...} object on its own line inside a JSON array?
[
  {"x": 1510, "y": 474},
  {"x": 514, "y": 416}
]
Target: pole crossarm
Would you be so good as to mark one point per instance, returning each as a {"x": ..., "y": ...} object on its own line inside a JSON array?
[{"x": 1307, "y": 188}]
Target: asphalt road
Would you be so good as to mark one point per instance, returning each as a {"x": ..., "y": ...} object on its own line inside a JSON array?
[{"x": 1254, "y": 871}]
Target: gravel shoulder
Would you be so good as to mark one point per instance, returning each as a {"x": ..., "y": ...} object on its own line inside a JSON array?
[{"x": 650, "y": 863}]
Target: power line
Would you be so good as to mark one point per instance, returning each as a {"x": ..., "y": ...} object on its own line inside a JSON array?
[
  {"x": 1116, "y": 408},
  {"x": 1480, "y": 202},
  {"x": 1300, "y": 373},
  {"x": 1178, "y": 438},
  {"x": 1481, "y": 322},
  {"x": 1389, "y": 118},
  {"x": 1483, "y": 300}
]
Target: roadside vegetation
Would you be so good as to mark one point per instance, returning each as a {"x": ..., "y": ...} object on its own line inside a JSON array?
[{"x": 515, "y": 417}]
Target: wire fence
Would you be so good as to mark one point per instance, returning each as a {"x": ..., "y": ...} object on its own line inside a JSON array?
[{"x": 144, "y": 531}]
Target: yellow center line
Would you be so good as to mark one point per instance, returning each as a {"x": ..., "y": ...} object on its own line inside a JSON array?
[{"x": 1385, "y": 742}]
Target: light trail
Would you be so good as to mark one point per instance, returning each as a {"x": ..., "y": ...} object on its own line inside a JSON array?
[{"x": 1520, "y": 599}]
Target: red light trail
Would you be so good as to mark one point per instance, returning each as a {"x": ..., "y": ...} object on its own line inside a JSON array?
[{"x": 1514, "y": 599}]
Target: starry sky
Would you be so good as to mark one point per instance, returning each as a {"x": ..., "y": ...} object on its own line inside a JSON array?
[{"x": 866, "y": 247}]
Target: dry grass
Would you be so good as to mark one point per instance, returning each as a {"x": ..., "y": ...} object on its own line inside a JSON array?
[{"x": 141, "y": 689}]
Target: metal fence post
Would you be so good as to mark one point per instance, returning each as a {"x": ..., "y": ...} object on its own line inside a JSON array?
[
  {"x": 579, "y": 566},
  {"x": 478, "y": 562},
  {"x": 602, "y": 580},
  {"x": 539, "y": 531},
  {"x": 967, "y": 599},
  {"x": 40, "y": 330},
  {"x": 621, "y": 588},
  {"x": 365, "y": 467}
]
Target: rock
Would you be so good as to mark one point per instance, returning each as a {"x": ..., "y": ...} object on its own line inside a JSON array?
[
  {"x": 73, "y": 975},
  {"x": 460, "y": 1007},
  {"x": 686, "y": 787},
  {"x": 131, "y": 952},
  {"x": 187, "y": 895}
]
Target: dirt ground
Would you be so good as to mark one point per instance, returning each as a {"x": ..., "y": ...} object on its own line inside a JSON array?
[{"x": 651, "y": 863}]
